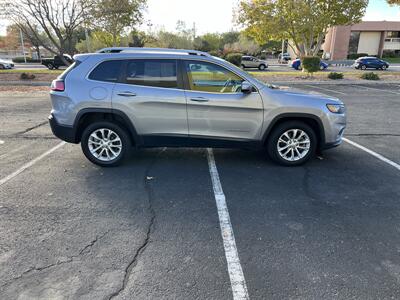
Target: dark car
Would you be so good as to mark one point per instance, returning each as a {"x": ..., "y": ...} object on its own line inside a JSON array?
[
  {"x": 284, "y": 59},
  {"x": 56, "y": 61},
  {"x": 296, "y": 64},
  {"x": 364, "y": 63}
]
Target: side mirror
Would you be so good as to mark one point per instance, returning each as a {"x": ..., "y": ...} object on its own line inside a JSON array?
[{"x": 246, "y": 87}]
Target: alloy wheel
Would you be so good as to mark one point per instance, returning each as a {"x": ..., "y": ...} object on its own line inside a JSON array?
[
  {"x": 105, "y": 144},
  {"x": 293, "y": 145}
]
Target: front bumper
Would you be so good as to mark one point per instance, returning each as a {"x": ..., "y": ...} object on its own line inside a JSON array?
[{"x": 65, "y": 133}]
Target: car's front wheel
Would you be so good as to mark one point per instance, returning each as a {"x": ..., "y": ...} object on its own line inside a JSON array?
[
  {"x": 363, "y": 67},
  {"x": 105, "y": 144},
  {"x": 384, "y": 68},
  {"x": 262, "y": 67},
  {"x": 292, "y": 143}
]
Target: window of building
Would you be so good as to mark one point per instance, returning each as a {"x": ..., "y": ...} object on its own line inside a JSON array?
[{"x": 353, "y": 43}]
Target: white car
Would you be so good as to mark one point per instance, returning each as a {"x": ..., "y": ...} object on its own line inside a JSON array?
[{"x": 6, "y": 64}]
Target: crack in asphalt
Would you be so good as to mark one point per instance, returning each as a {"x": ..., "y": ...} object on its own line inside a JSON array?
[
  {"x": 31, "y": 128},
  {"x": 84, "y": 250},
  {"x": 150, "y": 227}
]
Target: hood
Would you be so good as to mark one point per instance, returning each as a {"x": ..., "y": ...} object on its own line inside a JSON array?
[{"x": 311, "y": 95}]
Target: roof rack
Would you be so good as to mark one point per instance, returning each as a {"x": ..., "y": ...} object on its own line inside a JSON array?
[{"x": 169, "y": 50}]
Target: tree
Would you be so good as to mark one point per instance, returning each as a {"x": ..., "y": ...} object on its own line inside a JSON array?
[
  {"x": 393, "y": 2},
  {"x": 303, "y": 22},
  {"x": 114, "y": 16},
  {"x": 57, "y": 21}
]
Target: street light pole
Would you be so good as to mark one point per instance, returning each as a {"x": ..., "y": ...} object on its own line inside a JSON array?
[{"x": 22, "y": 44}]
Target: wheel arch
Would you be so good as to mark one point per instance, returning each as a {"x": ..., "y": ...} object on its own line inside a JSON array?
[
  {"x": 312, "y": 120},
  {"x": 87, "y": 116}
]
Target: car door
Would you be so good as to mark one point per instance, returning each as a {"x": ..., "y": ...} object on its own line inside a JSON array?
[
  {"x": 151, "y": 95},
  {"x": 217, "y": 108}
]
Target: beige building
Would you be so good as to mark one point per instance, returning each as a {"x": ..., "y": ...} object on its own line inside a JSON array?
[{"x": 371, "y": 37}]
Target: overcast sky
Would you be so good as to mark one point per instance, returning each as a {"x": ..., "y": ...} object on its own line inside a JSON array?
[{"x": 216, "y": 15}]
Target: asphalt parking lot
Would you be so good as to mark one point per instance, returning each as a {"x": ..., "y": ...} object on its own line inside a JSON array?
[{"x": 151, "y": 229}]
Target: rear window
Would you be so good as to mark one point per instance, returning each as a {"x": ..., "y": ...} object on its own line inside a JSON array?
[
  {"x": 152, "y": 72},
  {"x": 107, "y": 71},
  {"x": 69, "y": 69}
]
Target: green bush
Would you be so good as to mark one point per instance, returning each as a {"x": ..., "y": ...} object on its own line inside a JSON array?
[
  {"x": 27, "y": 76},
  {"x": 356, "y": 55},
  {"x": 335, "y": 75},
  {"x": 234, "y": 58},
  {"x": 310, "y": 63},
  {"x": 28, "y": 60},
  {"x": 370, "y": 76}
]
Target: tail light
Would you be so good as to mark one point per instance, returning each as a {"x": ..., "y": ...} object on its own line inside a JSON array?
[{"x": 58, "y": 85}]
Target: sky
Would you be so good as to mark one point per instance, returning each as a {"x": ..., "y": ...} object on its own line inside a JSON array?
[{"x": 216, "y": 15}]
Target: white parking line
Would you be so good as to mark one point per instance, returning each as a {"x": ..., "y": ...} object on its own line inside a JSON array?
[
  {"x": 325, "y": 89},
  {"x": 377, "y": 155},
  {"x": 236, "y": 276},
  {"x": 375, "y": 89},
  {"x": 30, "y": 164}
]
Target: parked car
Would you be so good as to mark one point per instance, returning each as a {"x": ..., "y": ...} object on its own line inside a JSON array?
[
  {"x": 56, "y": 62},
  {"x": 296, "y": 64},
  {"x": 366, "y": 62},
  {"x": 284, "y": 59},
  {"x": 112, "y": 102},
  {"x": 6, "y": 64},
  {"x": 253, "y": 62}
]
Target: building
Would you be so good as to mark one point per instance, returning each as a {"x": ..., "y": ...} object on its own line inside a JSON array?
[{"x": 374, "y": 38}]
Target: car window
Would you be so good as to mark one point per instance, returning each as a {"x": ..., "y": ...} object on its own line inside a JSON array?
[
  {"x": 208, "y": 77},
  {"x": 107, "y": 71},
  {"x": 152, "y": 72},
  {"x": 246, "y": 58}
]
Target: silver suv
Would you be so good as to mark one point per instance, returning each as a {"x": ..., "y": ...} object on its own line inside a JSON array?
[
  {"x": 180, "y": 98},
  {"x": 253, "y": 62}
]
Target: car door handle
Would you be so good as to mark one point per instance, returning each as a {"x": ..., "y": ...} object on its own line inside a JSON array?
[
  {"x": 199, "y": 99},
  {"x": 126, "y": 94}
]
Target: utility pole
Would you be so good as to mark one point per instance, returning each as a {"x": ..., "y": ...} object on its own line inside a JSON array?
[
  {"x": 283, "y": 47},
  {"x": 22, "y": 44},
  {"x": 87, "y": 40},
  {"x": 194, "y": 30}
]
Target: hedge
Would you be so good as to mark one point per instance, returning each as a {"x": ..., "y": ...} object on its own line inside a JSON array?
[
  {"x": 234, "y": 58},
  {"x": 310, "y": 63}
]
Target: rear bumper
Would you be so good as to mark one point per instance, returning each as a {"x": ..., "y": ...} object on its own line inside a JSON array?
[{"x": 65, "y": 133}]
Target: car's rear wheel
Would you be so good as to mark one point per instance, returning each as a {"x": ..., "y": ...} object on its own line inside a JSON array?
[
  {"x": 243, "y": 66},
  {"x": 262, "y": 67},
  {"x": 105, "y": 143},
  {"x": 50, "y": 66},
  {"x": 292, "y": 143}
]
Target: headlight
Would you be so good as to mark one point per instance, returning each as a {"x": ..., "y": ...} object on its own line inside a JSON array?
[{"x": 335, "y": 108}]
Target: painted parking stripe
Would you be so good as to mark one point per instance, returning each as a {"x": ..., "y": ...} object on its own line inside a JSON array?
[
  {"x": 30, "y": 164},
  {"x": 377, "y": 155},
  {"x": 236, "y": 276},
  {"x": 325, "y": 89},
  {"x": 375, "y": 89}
]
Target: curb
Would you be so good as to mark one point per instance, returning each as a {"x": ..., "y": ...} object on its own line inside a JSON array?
[{"x": 25, "y": 83}]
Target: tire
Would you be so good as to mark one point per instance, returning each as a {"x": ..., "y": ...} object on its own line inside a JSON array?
[
  {"x": 262, "y": 67},
  {"x": 363, "y": 67},
  {"x": 243, "y": 66},
  {"x": 2, "y": 67},
  {"x": 384, "y": 68},
  {"x": 290, "y": 128},
  {"x": 105, "y": 132},
  {"x": 50, "y": 66}
]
